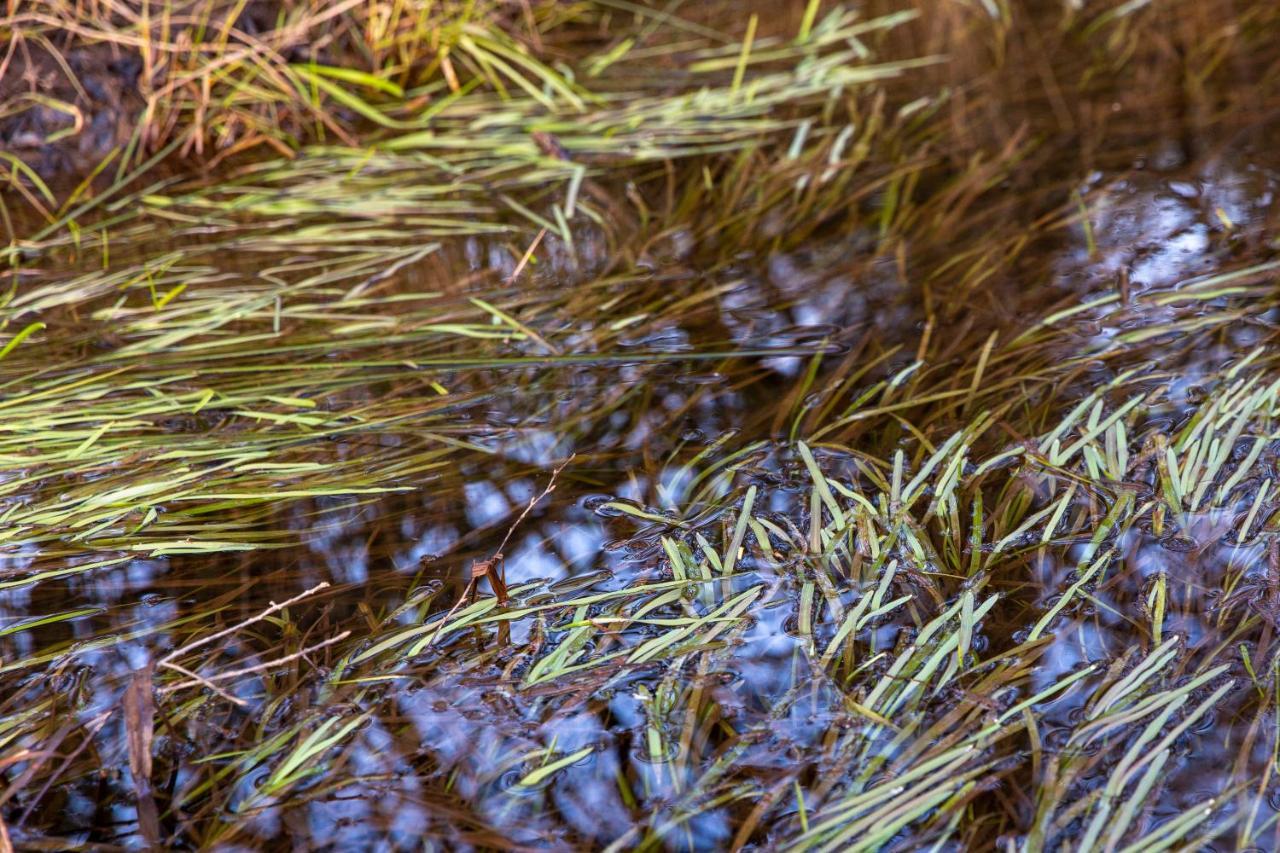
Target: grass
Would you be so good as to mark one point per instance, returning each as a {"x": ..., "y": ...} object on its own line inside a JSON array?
[{"x": 898, "y": 541}]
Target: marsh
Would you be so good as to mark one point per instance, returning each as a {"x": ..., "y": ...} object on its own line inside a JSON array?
[{"x": 873, "y": 405}]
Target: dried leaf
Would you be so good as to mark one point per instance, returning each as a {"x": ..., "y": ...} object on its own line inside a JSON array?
[{"x": 139, "y": 725}]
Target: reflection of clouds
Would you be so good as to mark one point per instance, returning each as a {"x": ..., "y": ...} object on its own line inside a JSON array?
[
  {"x": 532, "y": 560},
  {"x": 819, "y": 297},
  {"x": 1158, "y": 233},
  {"x": 142, "y": 573},
  {"x": 485, "y": 503},
  {"x": 588, "y": 798},
  {"x": 435, "y": 539},
  {"x": 1161, "y": 231},
  {"x": 346, "y": 558},
  {"x": 16, "y": 559},
  {"x": 1167, "y": 263},
  {"x": 578, "y": 544},
  {"x": 536, "y": 447}
]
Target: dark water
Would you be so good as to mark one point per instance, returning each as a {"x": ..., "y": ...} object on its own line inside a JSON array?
[{"x": 1174, "y": 195}]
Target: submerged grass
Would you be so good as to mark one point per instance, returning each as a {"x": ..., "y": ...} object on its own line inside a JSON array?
[{"x": 922, "y": 509}]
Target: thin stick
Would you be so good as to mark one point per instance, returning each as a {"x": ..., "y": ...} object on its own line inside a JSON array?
[
  {"x": 204, "y": 682},
  {"x": 528, "y": 253},
  {"x": 497, "y": 554},
  {"x": 551, "y": 486},
  {"x": 235, "y": 673},
  {"x": 251, "y": 620}
]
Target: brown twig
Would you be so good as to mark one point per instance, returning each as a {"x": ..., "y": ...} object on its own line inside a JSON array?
[
  {"x": 527, "y": 255},
  {"x": 246, "y": 623},
  {"x": 490, "y": 568},
  {"x": 257, "y": 667},
  {"x": 194, "y": 679},
  {"x": 204, "y": 682}
]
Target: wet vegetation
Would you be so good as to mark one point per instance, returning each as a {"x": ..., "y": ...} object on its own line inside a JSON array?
[{"x": 622, "y": 425}]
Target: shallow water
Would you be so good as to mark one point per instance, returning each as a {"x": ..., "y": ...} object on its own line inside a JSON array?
[{"x": 691, "y": 362}]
